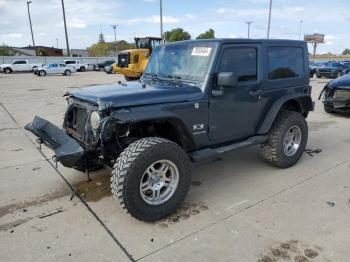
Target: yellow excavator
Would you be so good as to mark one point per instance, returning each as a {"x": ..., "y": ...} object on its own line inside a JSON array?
[{"x": 131, "y": 63}]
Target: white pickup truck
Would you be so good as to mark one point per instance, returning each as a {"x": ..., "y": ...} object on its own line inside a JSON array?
[
  {"x": 18, "y": 66},
  {"x": 81, "y": 67}
]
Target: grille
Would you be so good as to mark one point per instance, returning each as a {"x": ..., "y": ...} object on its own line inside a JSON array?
[
  {"x": 124, "y": 59},
  {"x": 81, "y": 116}
]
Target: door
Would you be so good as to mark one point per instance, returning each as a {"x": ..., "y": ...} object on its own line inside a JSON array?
[
  {"x": 20, "y": 65},
  {"x": 235, "y": 111}
]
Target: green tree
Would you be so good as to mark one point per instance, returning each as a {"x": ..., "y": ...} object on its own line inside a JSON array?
[
  {"x": 346, "y": 51},
  {"x": 107, "y": 48},
  {"x": 176, "y": 34},
  {"x": 210, "y": 34},
  {"x": 41, "y": 52},
  {"x": 6, "y": 51}
]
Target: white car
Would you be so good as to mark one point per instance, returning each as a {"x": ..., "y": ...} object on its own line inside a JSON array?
[
  {"x": 54, "y": 69},
  {"x": 81, "y": 67},
  {"x": 18, "y": 66}
]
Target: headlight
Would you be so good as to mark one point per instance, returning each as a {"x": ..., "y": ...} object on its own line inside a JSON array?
[{"x": 95, "y": 120}]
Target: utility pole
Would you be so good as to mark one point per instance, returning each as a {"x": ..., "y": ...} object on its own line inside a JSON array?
[
  {"x": 300, "y": 28},
  {"x": 115, "y": 38},
  {"x": 57, "y": 43},
  {"x": 31, "y": 28},
  {"x": 249, "y": 23},
  {"x": 269, "y": 22},
  {"x": 65, "y": 28},
  {"x": 161, "y": 17}
]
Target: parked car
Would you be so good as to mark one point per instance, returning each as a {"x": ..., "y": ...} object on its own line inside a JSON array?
[
  {"x": 54, "y": 69},
  {"x": 187, "y": 106},
  {"x": 336, "y": 95},
  {"x": 101, "y": 66},
  {"x": 331, "y": 69},
  {"x": 109, "y": 69},
  {"x": 347, "y": 67},
  {"x": 80, "y": 67},
  {"x": 18, "y": 66}
]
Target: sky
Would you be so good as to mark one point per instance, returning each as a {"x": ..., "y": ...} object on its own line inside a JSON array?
[{"x": 86, "y": 19}]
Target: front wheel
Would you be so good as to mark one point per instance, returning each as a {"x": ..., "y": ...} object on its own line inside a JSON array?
[
  {"x": 82, "y": 69},
  {"x": 287, "y": 140},
  {"x": 7, "y": 70},
  {"x": 151, "y": 178},
  {"x": 67, "y": 72},
  {"x": 42, "y": 73}
]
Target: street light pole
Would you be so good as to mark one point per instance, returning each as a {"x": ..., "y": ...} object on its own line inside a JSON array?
[
  {"x": 161, "y": 17},
  {"x": 65, "y": 28},
  {"x": 269, "y": 22},
  {"x": 115, "y": 39},
  {"x": 300, "y": 28},
  {"x": 31, "y": 28},
  {"x": 249, "y": 23}
]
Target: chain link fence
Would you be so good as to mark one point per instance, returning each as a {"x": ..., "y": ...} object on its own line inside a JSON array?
[{"x": 55, "y": 59}]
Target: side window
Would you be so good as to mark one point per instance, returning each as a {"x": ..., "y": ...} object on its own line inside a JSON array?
[
  {"x": 285, "y": 62},
  {"x": 241, "y": 61},
  {"x": 136, "y": 59},
  {"x": 19, "y": 62}
]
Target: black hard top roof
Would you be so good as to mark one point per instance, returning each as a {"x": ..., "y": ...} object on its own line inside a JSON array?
[{"x": 246, "y": 40}]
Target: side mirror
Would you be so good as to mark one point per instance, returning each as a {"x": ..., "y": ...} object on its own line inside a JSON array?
[{"x": 227, "y": 79}]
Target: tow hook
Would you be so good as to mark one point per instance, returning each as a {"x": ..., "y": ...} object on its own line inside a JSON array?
[
  {"x": 54, "y": 159},
  {"x": 39, "y": 141}
]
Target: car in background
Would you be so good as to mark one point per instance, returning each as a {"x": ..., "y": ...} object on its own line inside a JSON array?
[
  {"x": 331, "y": 70},
  {"x": 79, "y": 66},
  {"x": 51, "y": 69},
  {"x": 109, "y": 69},
  {"x": 18, "y": 66},
  {"x": 347, "y": 67},
  {"x": 101, "y": 66},
  {"x": 336, "y": 95}
]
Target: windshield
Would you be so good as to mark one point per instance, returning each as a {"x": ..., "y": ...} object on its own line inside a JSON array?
[{"x": 183, "y": 61}]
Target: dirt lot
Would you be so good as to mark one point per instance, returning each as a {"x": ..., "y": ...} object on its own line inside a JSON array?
[{"x": 238, "y": 209}]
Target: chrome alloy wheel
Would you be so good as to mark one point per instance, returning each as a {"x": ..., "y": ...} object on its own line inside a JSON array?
[
  {"x": 159, "y": 182},
  {"x": 292, "y": 140}
]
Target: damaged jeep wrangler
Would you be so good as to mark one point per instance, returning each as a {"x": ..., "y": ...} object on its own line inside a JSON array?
[{"x": 196, "y": 100}]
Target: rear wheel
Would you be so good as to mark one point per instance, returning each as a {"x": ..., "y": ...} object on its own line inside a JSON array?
[
  {"x": 42, "y": 73},
  {"x": 151, "y": 178},
  {"x": 7, "y": 70},
  {"x": 287, "y": 140}
]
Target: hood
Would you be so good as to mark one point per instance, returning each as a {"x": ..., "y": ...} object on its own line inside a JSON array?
[
  {"x": 134, "y": 94},
  {"x": 5, "y": 65},
  {"x": 343, "y": 82}
]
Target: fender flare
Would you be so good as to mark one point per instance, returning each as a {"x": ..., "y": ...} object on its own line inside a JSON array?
[
  {"x": 125, "y": 116},
  {"x": 304, "y": 102}
]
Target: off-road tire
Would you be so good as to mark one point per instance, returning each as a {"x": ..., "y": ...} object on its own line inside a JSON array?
[
  {"x": 328, "y": 108},
  {"x": 130, "y": 167},
  {"x": 272, "y": 150},
  {"x": 7, "y": 70}
]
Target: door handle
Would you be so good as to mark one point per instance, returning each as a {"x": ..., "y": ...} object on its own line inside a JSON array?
[{"x": 255, "y": 93}]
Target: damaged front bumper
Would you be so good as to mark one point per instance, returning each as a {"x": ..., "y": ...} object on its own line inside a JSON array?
[{"x": 67, "y": 150}]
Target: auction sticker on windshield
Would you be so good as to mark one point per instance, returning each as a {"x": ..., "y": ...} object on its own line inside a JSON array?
[{"x": 201, "y": 51}]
